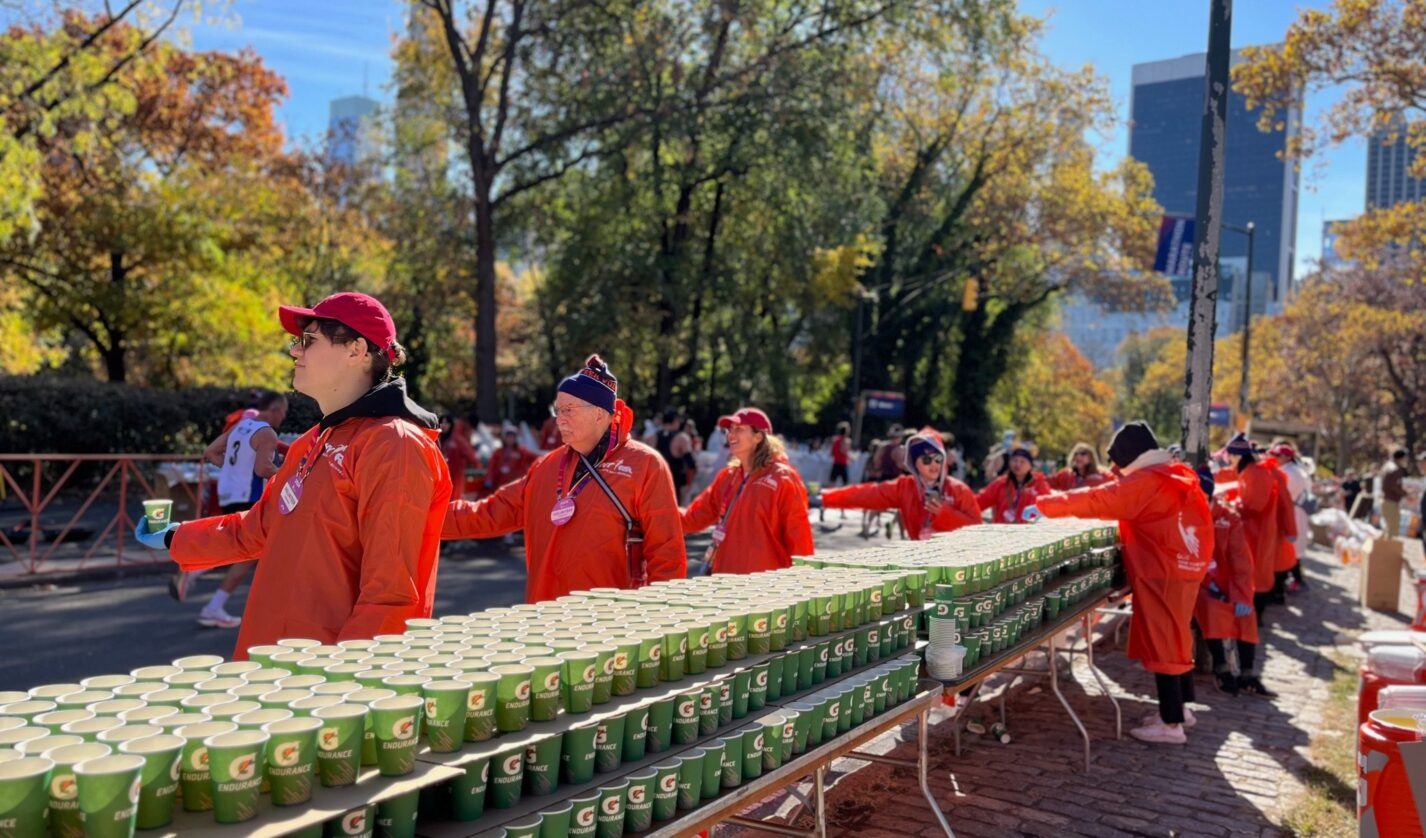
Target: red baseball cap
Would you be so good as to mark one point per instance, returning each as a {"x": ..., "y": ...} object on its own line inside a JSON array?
[
  {"x": 748, "y": 416},
  {"x": 361, "y": 313},
  {"x": 1283, "y": 449}
]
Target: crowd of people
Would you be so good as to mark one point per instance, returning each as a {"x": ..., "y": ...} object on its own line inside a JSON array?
[{"x": 343, "y": 532}]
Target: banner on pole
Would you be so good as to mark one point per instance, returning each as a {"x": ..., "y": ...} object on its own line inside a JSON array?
[{"x": 1174, "y": 256}]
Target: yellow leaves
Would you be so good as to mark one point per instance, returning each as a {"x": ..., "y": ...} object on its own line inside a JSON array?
[
  {"x": 1056, "y": 398},
  {"x": 836, "y": 271}
]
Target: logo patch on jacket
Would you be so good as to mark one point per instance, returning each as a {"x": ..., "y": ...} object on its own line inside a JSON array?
[
  {"x": 618, "y": 467},
  {"x": 336, "y": 455}
]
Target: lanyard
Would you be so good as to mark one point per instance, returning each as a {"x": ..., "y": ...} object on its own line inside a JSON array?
[
  {"x": 579, "y": 485},
  {"x": 308, "y": 461},
  {"x": 728, "y": 510}
]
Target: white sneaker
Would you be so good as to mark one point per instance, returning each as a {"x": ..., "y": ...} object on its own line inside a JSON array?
[
  {"x": 1160, "y": 733},
  {"x": 1189, "y": 720},
  {"x": 218, "y": 618}
]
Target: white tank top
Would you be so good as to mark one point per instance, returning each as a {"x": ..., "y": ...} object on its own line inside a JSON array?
[{"x": 235, "y": 479}]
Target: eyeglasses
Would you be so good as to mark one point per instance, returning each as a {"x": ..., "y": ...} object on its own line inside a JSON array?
[
  {"x": 304, "y": 340},
  {"x": 932, "y": 459},
  {"x": 567, "y": 410}
]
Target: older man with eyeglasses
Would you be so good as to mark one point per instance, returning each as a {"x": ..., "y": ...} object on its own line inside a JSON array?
[{"x": 598, "y": 512}]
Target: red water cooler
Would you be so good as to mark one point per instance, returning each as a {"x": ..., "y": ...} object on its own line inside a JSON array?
[
  {"x": 1388, "y": 666},
  {"x": 1385, "y": 806}
]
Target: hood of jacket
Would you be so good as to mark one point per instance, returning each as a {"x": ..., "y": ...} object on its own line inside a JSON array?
[{"x": 388, "y": 398}]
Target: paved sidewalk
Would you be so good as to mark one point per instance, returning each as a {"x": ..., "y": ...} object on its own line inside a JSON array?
[{"x": 1238, "y": 773}]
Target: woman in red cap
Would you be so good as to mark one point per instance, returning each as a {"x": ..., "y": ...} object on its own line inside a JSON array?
[
  {"x": 1224, "y": 610},
  {"x": 928, "y": 498},
  {"x": 1011, "y": 494},
  {"x": 1167, "y": 531},
  {"x": 1267, "y": 518},
  {"x": 757, "y": 506},
  {"x": 598, "y": 512},
  {"x": 1298, "y": 480},
  {"x": 347, "y": 532}
]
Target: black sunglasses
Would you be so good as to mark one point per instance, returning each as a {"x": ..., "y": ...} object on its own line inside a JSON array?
[{"x": 932, "y": 459}]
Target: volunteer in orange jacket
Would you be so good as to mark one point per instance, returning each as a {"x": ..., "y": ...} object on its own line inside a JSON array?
[
  {"x": 510, "y": 461},
  {"x": 1083, "y": 470},
  {"x": 1287, "y": 519},
  {"x": 1167, "y": 532},
  {"x": 1225, "y": 599},
  {"x": 1267, "y": 518},
  {"x": 928, "y": 498},
  {"x": 347, "y": 533},
  {"x": 598, "y": 512},
  {"x": 756, "y": 506},
  {"x": 1010, "y": 494}
]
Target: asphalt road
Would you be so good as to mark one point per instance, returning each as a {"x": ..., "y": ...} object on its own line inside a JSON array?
[{"x": 74, "y": 631}]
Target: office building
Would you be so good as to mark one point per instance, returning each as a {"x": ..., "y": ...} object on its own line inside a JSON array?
[
  {"x": 1388, "y": 159},
  {"x": 350, "y": 123}
]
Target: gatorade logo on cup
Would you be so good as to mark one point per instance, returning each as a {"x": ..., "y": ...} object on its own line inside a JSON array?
[
  {"x": 685, "y": 709},
  {"x": 724, "y": 691},
  {"x": 644, "y": 722},
  {"x": 159, "y": 514},
  {"x": 354, "y": 823},
  {"x": 830, "y": 605},
  {"x": 871, "y": 637},
  {"x": 612, "y": 664},
  {"x": 287, "y": 754},
  {"x": 552, "y": 681},
  {"x": 833, "y": 710},
  {"x": 721, "y": 633},
  {"x": 139, "y": 784},
  {"x": 610, "y": 806},
  {"x": 762, "y": 679},
  {"x": 430, "y": 707},
  {"x": 669, "y": 783},
  {"x": 522, "y": 691},
  {"x": 732, "y": 629},
  {"x": 475, "y": 701},
  {"x": 760, "y": 625},
  {"x": 636, "y": 795},
  {"x": 758, "y": 742},
  {"x": 788, "y": 730},
  {"x": 683, "y": 645},
  {"x": 328, "y": 738},
  {"x": 601, "y": 736},
  {"x": 64, "y": 787},
  {"x": 585, "y": 817},
  {"x": 485, "y": 772},
  {"x": 705, "y": 701},
  {"x": 404, "y": 727},
  {"x": 198, "y": 761},
  {"x": 781, "y": 620},
  {"x": 703, "y": 641},
  {"x": 822, "y": 653},
  {"x": 173, "y": 770},
  {"x": 588, "y": 676},
  {"x": 621, "y": 661},
  {"x": 655, "y": 653},
  {"x": 242, "y": 768},
  {"x": 512, "y": 765},
  {"x": 531, "y": 755},
  {"x": 876, "y": 597}
]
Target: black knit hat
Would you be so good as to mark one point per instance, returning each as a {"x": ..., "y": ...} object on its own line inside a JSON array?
[{"x": 1132, "y": 440}]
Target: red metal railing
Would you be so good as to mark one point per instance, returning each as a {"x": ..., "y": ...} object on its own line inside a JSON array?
[{"x": 124, "y": 469}]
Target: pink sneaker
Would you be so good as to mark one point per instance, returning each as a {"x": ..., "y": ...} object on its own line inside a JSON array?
[
  {"x": 1160, "y": 733},
  {"x": 1189, "y": 720},
  {"x": 218, "y": 618}
]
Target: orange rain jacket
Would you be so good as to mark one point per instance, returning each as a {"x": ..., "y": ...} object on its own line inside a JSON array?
[
  {"x": 588, "y": 551},
  {"x": 357, "y": 557},
  {"x": 1230, "y": 575},
  {"x": 1267, "y": 519},
  {"x": 1168, "y": 543},
  {"x": 1067, "y": 478},
  {"x": 1287, "y": 518},
  {"x": 958, "y": 506},
  {"x": 1007, "y": 504},
  {"x": 507, "y": 464},
  {"x": 768, "y": 524}
]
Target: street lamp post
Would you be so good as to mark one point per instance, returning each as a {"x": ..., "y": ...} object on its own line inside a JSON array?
[{"x": 1246, "y": 230}]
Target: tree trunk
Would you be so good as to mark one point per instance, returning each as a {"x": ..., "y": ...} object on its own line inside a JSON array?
[
  {"x": 487, "y": 399},
  {"x": 114, "y": 354}
]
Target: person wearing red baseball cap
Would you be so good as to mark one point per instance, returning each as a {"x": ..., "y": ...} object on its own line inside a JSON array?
[
  {"x": 929, "y": 499},
  {"x": 757, "y": 505},
  {"x": 598, "y": 512},
  {"x": 346, "y": 534},
  {"x": 1299, "y": 492}
]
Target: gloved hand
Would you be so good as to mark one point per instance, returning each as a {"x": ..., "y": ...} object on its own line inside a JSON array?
[
  {"x": 1292, "y": 539},
  {"x": 1242, "y": 609},
  {"x": 153, "y": 540},
  {"x": 814, "y": 501},
  {"x": 1030, "y": 514}
]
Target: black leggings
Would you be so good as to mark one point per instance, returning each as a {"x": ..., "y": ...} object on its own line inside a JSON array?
[
  {"x": 1174, "y": 692},
  {"x": 1296, "y": 572},
  {"x": 1261, "y": 601},
  {"x": 1247, "y": 654}
]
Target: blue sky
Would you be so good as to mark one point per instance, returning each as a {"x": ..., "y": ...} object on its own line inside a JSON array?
[{"x": 331, "y": 48}]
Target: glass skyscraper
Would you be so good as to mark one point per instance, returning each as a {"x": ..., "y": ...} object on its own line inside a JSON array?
[
  {"x": 1258, "y": 186},
  {"x": 1388, "y": 158}
]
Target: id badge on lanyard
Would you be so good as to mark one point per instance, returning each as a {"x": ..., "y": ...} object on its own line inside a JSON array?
[
  {"x": 563, "y": 510},
  {"x": 291, "y": 492}
]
